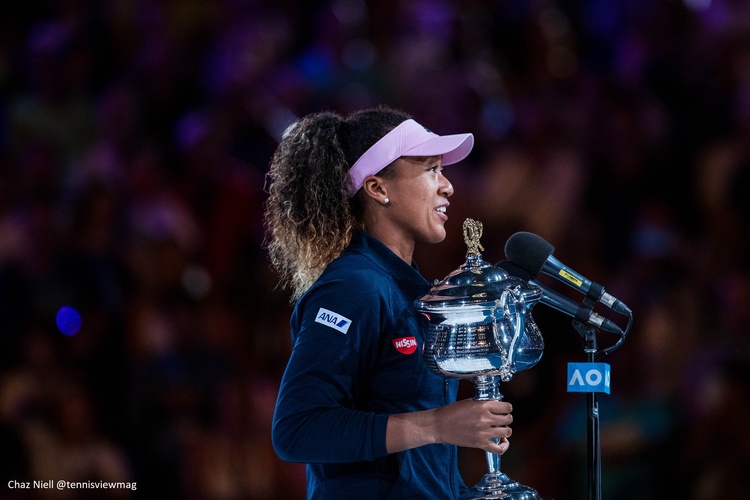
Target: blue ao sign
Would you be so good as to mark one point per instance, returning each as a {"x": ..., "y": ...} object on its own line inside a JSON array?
[{"x": 588, "y": 377}]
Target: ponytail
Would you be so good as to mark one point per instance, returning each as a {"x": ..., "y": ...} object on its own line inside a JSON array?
[{"x": 307, "y": 216}]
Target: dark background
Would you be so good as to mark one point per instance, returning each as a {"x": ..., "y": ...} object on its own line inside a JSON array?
[{"x": 134, "y": 139}]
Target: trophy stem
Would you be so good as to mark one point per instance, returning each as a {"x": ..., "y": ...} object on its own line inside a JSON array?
[
  {"x": 487, "y": 387},
  {"x": 493, "y": 462},
  {"x": 495, "y": 484}
]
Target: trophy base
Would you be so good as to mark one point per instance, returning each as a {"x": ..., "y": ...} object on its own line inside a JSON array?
[{"x": 499, "y": 486}]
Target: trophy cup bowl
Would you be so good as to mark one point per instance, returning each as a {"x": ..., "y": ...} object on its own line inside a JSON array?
[{"x": 480, "y": 328}]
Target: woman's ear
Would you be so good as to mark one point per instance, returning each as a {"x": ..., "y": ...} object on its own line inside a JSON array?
[{"x": 374, "y": 188}]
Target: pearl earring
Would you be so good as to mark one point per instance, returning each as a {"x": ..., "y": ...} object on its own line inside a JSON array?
[{"x": 385, "y": 200}]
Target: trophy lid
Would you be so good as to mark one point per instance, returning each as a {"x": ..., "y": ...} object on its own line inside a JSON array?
[{"x": 475, "y": 282}]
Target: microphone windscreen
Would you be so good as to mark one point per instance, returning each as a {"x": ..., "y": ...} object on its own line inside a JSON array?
[
  {"x": 514, "y": 270},
  {"x": 528, "y": 251}
]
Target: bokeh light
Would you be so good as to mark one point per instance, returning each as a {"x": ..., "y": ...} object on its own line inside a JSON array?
[{"x": 68, "y": 321}]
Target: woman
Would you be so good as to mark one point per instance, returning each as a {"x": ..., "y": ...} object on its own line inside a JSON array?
[{"x": 348, "y": 200}]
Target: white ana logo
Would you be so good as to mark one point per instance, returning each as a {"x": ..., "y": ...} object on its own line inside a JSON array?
[{"x": 332, "y": 319}]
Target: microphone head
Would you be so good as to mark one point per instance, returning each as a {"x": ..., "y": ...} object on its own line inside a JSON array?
[{"x": 528, "y": 251}]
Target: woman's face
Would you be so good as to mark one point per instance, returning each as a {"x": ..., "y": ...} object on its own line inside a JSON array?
[{"x": 418, "y": 197}]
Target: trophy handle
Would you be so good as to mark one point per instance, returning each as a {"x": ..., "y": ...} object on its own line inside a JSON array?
[{"x": 514, "y": 310}]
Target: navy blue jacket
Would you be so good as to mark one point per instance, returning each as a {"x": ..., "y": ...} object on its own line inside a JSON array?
[{"x": 356, "y": 359}]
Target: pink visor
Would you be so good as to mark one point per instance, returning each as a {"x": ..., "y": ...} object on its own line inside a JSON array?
[{"x": 408, "y": 139}]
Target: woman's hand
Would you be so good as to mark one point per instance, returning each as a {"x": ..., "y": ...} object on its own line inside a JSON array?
[
  {"x": 467, "y": 423},
  {"x": 476, "y": 424}
]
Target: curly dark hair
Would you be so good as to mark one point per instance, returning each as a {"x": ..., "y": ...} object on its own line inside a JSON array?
[{"x": 309, "y": 218}]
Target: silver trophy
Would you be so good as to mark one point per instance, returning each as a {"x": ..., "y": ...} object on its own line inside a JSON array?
[{"x": 481, "y": 329}]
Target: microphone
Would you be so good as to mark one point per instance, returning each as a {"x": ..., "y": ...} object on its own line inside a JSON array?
[
  {"x": 561, "y": 303},
  {"x": 533, "y": 254}
]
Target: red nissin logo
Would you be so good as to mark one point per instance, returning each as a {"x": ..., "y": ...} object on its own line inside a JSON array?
[{"x": 405, "y": 345}]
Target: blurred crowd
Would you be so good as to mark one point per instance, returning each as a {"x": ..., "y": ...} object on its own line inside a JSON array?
[{"x": 134, "y": 140}]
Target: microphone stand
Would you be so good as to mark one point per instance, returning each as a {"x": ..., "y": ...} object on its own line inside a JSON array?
[
  {"x": 593, "y": 354},
  {"x": 588, "y": 334}
]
